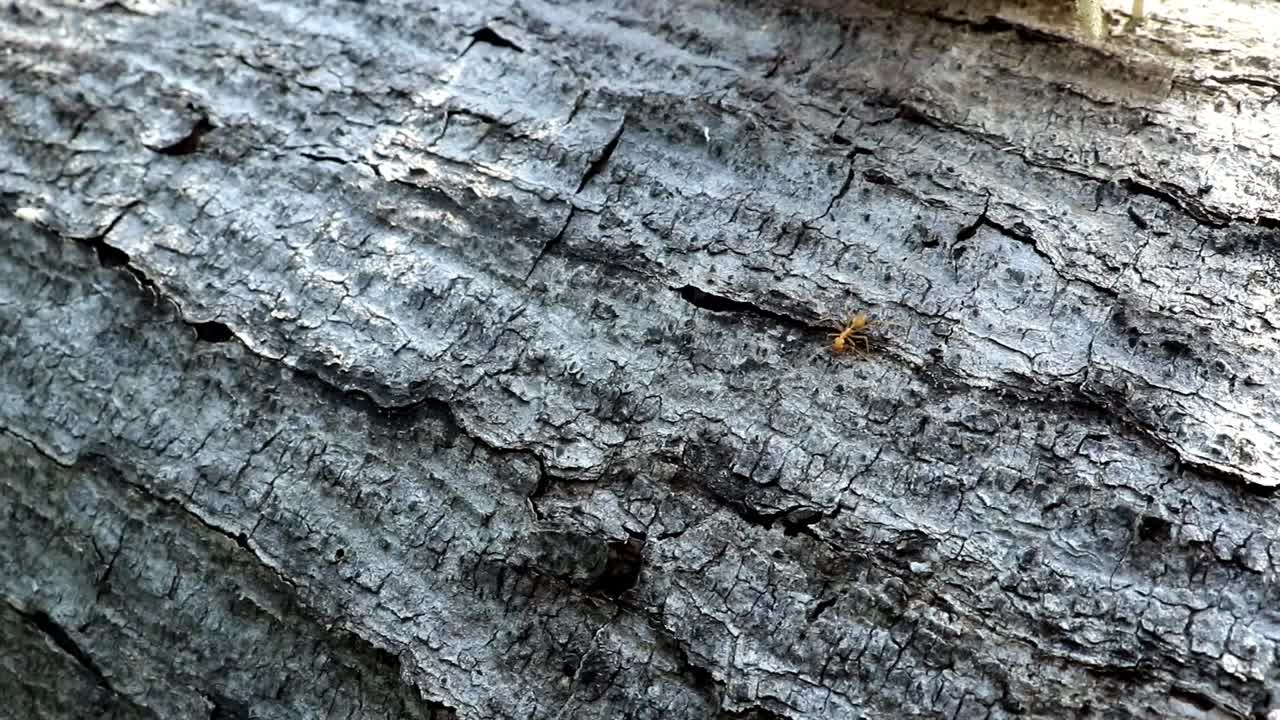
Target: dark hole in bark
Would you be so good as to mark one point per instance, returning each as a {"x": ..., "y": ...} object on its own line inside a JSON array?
[
  {"x": 700, "y": 677},
  {"x": 816, "y": 611},
  {"x": 622, "y": 567},
  {"x": 227, "y": 709},
  {"x": 1153, "y": 529},
  {"x": 714, "y": 303},
  {"x": 1200, "y": 701},
  {"x": 879, "y": 177},
  {"x": 59, "y": 636},
  {"x": 969, "y": 231},
  {"x": 110, "y": 257},
  {"x": 598, "y": 164},
  {"x": 212, "y": 331},
  {"x": 487, "y": 36},
  {"x": 928, "y": 238},
  {"x": 191, "y": 142},
  {"x": 798, "y": 521},
  {"x": 718, "y": 303}
]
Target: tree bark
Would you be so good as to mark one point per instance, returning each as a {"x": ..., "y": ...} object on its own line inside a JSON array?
[{"x": 471, "y": 360}]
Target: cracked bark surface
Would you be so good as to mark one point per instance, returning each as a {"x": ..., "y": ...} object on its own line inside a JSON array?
[{"x": 468, "y": 361}]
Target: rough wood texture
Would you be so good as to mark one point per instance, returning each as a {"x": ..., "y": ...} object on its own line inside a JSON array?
[{"x": 467, "y": 360}]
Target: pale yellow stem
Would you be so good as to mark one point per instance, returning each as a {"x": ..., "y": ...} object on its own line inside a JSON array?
[{"x": 1089, "y": 16}]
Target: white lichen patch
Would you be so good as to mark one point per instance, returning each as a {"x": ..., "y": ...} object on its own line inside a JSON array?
[{"x": 30, "y": 214}]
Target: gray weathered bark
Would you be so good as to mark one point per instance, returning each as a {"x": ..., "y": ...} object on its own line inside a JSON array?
[{"x": 469, "y": 360}]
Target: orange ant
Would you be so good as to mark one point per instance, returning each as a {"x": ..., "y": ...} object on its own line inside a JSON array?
[{"x": 855, "y": 330}]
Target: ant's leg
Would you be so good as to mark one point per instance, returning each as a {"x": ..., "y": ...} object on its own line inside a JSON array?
[
  {"x": 1135, "y": 17},
  {"x": 1089, "y": 19}
]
